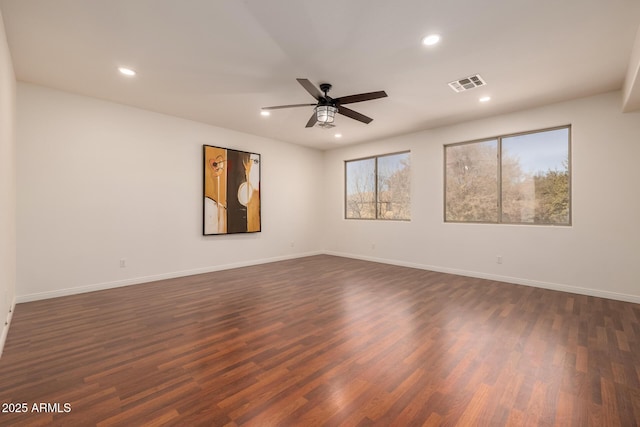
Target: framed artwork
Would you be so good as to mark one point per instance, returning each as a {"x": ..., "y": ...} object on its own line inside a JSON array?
[{"x": 231, "y": 191}]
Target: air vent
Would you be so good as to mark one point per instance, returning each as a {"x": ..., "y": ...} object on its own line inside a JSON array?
[{"x": 467, "y": 83}]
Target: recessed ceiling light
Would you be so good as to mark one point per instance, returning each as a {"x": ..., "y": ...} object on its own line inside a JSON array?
[
  {"x": 265, "y": 113},
  {"x": 126, "y": 71},
  {"x": 430, "y": 40},
  {"x": 338, "y": 135},
  {"x": 485, "y": 99}
]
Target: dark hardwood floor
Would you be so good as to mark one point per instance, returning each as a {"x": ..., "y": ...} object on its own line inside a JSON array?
[{"x": 324, "y": 341}]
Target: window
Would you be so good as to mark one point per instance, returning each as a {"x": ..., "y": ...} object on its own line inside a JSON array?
[
  {"x": 378, "y": 187},
  {"x": 512, "y": 179},
  {"x": 471, "y": 182}
]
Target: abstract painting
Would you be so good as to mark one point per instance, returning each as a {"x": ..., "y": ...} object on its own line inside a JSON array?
[{"x": 231, "y": 191}]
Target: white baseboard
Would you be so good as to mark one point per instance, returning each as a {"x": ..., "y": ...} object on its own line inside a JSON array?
[
  {"x": 5, "y": 328},
  {"x": 145, "y": 279},
  {"x": 183, "y": 273},
  {"x": 498, "y": 278}
]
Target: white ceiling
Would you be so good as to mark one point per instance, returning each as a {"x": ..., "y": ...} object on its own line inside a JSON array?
[{"x": 219, "y": 62}]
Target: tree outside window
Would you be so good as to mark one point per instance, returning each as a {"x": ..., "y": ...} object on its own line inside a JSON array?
[
  {"x": 378, "y": 187},
  {"x": 512, "y": 179}
]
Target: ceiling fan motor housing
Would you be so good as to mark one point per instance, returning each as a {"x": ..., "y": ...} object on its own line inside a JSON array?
[{"x": 326, "y": 100}]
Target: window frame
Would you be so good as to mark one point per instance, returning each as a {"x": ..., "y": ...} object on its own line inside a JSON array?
[
  {"x": 375, "y": 169},
  {"x": 499, "y": 139}
]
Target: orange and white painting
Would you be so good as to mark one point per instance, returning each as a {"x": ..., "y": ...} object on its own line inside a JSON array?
[{"x": 231, "y": 191}]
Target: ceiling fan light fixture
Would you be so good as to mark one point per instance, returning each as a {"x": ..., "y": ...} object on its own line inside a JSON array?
[{"x": 325, "y": 114}]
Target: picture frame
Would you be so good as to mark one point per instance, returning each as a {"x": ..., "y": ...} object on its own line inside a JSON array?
[{"x": 231, "y": 191}]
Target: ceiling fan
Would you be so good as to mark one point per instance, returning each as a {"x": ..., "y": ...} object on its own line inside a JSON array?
[{"x": 326, "y": 107}]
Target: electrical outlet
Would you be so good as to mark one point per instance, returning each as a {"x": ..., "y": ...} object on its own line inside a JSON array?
[
  {"x": 373, "y": 246},
  {"x": 123, "y": 263},
  {"x": 293, "y": 244},
  {"x": 499, "y": 259}
]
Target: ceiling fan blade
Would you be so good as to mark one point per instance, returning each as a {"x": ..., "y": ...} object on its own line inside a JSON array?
[
  {"x": 360, "y": 97},
  {"x": 310, "y": 88},
  {"x": 354, "y": 115},
  {"x": 312, "y": 121},
  {"x": 277, "y": 107}
]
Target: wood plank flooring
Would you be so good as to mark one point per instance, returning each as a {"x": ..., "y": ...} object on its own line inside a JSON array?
[{"x": 324, "y": 341}]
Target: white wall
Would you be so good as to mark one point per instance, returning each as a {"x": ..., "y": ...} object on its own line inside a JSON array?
[
  {"x": 7, "y": 187},
  {"x": 598, "y": 255},
  {"x": 631, "y": 87},
  {"x": 101, "y": 181}
]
